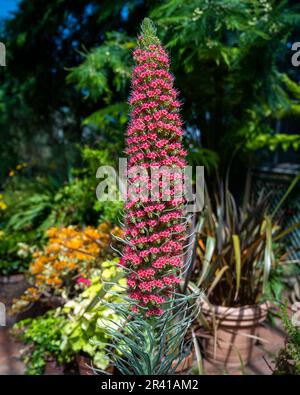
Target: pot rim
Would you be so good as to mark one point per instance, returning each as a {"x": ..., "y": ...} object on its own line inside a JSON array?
[
  {"x": 12, "y": 278},
  {"x": 248, "y": 312}
]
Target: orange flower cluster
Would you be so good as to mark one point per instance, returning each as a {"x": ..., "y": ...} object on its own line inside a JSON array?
[{"x": 69, "y": 254}]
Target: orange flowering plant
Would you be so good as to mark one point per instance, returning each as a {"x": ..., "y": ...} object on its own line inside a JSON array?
[{"x": 61, "y": 269}]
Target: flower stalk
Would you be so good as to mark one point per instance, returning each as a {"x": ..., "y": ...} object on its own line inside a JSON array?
[{"x": 155, "y": 224}]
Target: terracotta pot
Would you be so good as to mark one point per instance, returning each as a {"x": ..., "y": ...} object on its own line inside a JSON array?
[
  {"x": 33, "y": 310},
  {"x": 53, "y": 368},
  {"x": 185, "y": 364},
  {"x": 234, "y": 327},
  {"x": 84, "y": 365},
  {"x": 11, "y": 287}
]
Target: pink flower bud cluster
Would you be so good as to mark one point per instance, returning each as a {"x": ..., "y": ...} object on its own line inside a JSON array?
[{"x": 155, "y": 228}]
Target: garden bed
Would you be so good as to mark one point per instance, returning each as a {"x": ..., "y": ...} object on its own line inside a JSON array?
[{"x": 261, "y": 364}]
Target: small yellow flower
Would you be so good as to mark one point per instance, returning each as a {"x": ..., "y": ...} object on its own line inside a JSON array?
[
  {"x": 3, "y": 206},
  {"x": 11, "y": 173}
]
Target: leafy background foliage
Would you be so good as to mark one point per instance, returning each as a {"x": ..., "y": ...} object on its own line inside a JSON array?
[{"x": 231, "y": 61}]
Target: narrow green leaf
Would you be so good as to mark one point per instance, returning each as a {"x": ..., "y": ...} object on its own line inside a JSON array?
[
  {"x": 217, "y": 279},
  {"x": 268, "y": 253},
  {"x": 198, "y": 354},
  {"x": 289, "y": 190},
  {"x": 209, "y": 251},
  {"x": 238, "y": 265}
]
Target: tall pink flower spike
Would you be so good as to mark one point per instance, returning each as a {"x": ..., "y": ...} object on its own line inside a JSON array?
[{"x": 155, "y": 228}]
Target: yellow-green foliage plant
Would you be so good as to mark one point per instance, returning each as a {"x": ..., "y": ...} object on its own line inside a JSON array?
[{"x": 89, "y": 317}]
